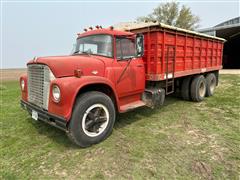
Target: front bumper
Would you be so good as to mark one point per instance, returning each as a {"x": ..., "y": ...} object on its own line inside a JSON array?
[{"x": 46, "y": 117}]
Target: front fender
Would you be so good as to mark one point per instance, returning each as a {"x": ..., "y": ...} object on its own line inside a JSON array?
[{"x": 69, "y": 87}]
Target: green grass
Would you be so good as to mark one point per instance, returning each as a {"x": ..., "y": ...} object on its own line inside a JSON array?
[{"x": 183, "y": 140}]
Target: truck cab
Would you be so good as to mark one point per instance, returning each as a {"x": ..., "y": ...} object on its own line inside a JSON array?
[{"x": 81, "y": 93}]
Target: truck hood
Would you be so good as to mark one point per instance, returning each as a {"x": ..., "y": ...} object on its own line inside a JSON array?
[{"x": 63, "y": 66}]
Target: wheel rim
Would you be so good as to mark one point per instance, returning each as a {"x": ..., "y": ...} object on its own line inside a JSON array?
[
  {"x": 212, "y": 86},
  {"x": 202, "y": 89},
  {"x": 95, "y": 120}
]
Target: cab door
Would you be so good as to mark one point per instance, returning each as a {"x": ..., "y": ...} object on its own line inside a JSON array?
[{"x": 129, "y": 69}]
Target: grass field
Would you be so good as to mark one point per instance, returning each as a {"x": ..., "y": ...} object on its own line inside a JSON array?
[{"x": 182, "y": 140}]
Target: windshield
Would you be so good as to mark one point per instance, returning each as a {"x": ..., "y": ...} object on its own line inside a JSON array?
[{"x": 95, "y": 44}]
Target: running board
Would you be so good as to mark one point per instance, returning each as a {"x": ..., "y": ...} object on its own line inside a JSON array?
[{"x": 131, "y": 106}]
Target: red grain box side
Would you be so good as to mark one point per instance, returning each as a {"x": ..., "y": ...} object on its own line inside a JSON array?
[{"x": 185, "y": 52}]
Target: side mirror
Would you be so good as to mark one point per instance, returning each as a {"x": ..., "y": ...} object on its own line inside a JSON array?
[{"x": 139, "y": 45}]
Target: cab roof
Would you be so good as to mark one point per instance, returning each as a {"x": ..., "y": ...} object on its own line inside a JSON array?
[{"x": 109, "y": 31}]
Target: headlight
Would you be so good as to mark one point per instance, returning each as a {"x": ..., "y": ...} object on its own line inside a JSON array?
[
  {"x": 56, "y": 93},
  {"x": 22, "y": 84}
]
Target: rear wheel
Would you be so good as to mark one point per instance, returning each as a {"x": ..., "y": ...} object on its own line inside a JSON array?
[
  {"x": 198, "y": 88},
  {"x": 92, "y": 119},
  {"x": 211, "y": 83},
  {"x": 185, "y": 88}
]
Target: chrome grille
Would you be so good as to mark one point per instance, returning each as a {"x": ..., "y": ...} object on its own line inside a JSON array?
[{"x": 39, "y": 77}]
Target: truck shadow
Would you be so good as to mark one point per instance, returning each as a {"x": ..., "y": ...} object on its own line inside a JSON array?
[
  {"x": 52, "y": 133},
  {"x": 122, "y": 120},
  {"x": 135, "y": 115}
]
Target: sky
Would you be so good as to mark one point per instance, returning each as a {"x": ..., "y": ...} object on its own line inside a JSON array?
[{"x": 45, "y": 28}]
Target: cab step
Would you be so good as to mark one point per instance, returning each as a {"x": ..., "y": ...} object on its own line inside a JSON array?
[{"x": 131, "y": 106}]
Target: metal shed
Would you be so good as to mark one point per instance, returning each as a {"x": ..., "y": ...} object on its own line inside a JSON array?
[{"x": 229, "y": 30}]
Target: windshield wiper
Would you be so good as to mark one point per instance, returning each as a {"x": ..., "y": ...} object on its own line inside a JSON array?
[
  {"x": 76, "y": 52},
  {"x": 83, "y": 52}
]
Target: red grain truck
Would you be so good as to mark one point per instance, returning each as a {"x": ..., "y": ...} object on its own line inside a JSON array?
[{"x": 114, "y": 71}]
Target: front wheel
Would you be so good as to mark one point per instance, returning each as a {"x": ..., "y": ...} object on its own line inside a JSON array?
[{"x": 92, "y": 119}]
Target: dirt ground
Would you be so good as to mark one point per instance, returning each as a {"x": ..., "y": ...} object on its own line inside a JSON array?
[
  {"x": 14, "y": 74},
  {"x": 230, "y": 71},
  {"x": 11, "y": 74}
]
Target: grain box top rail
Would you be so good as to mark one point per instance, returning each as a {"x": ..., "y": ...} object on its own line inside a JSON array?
[{"x": 130, "y": 26}]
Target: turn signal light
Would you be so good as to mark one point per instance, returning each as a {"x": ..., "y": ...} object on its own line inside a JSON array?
[
  {"x": 78, "y": 73},
  {"x": 22, "y": 83}
]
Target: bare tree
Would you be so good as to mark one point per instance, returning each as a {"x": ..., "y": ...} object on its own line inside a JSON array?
[{"x": 172, "y": 14}]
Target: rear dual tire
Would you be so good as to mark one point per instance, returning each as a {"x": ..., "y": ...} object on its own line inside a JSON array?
[
  {"x": 185, "y": 88},
  {"x": 197, "y": 87},
  {"x": 211, "y": 82}
]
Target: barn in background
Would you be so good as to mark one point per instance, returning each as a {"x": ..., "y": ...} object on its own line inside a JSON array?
[{"x": 229, "y": 30}]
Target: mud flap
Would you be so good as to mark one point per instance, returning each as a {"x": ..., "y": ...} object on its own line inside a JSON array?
[{"x": 154, "y": 97}]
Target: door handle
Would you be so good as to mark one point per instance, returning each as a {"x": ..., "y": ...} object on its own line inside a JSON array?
[{"x": 139, "y": 65}]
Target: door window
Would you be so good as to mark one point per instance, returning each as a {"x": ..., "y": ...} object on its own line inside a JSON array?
[{"x": 125, "y": 48}]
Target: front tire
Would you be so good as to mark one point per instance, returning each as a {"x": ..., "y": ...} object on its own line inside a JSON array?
[{"x": 92, "y": 119}]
